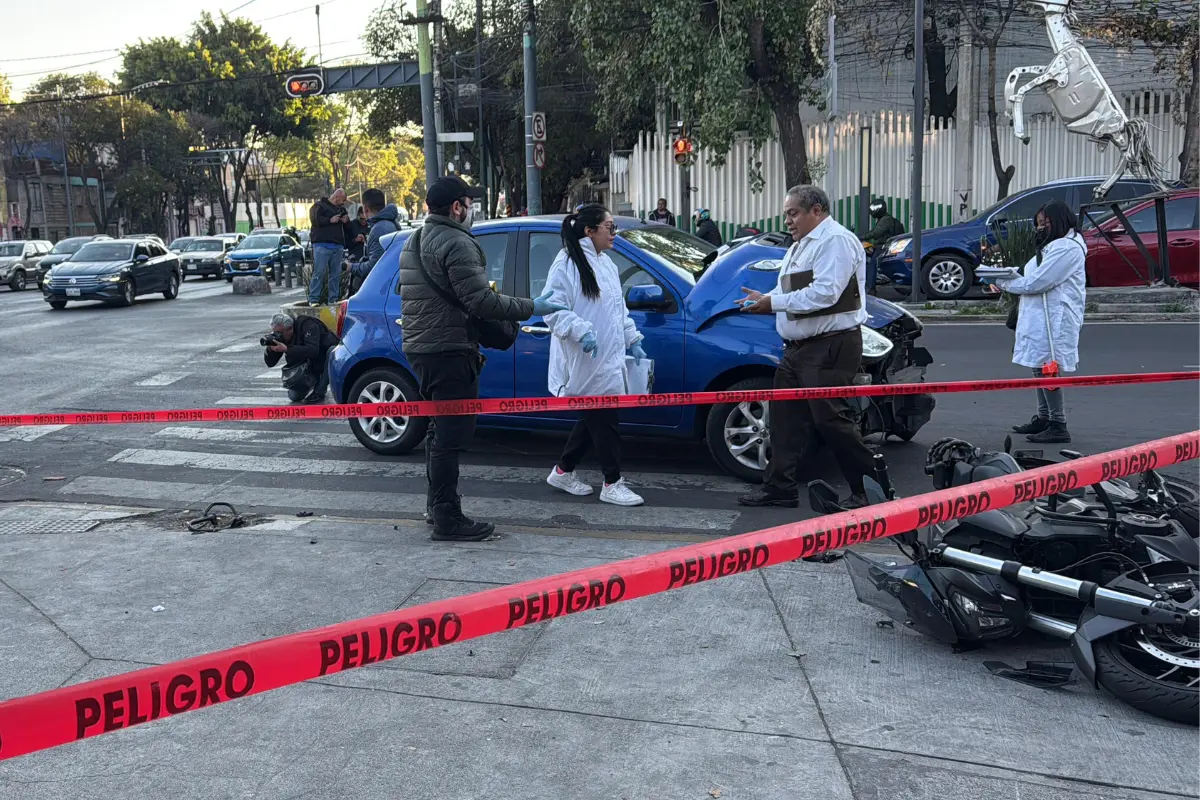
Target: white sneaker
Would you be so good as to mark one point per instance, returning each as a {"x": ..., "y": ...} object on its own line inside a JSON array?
[
  {"x": 568, "y": 482},
  {"x": 620, "y": 494}
]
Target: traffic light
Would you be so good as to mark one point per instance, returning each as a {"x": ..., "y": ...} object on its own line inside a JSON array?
[
  {"x": 308, "y": 84},
  {"x": 682, "y": 148}
]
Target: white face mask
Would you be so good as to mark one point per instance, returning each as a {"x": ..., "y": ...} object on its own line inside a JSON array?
[{"x": 466, "y": 219}]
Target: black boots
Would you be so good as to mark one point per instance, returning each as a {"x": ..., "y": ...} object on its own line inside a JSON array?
[
  {"x": 1035, "y": 425},
  {"x": 450, "y": 524},
  {"x": 1055, "y": 433}
]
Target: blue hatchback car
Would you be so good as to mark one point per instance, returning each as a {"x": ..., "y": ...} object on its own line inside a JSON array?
[
  {"x": 678, "y": 295},
  {"x": 949, "y": 255},
  {"x": 261, "y": 253}
]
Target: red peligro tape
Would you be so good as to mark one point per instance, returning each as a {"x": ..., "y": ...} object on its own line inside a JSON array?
[
  {"x": 64, "y": 715},
  {"x": 526, "y": 405}
]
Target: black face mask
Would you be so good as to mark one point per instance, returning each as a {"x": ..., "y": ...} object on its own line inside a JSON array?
[{"x": 1042, "y": 237}]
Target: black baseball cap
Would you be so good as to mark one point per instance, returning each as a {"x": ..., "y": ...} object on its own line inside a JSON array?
[{"x": 444, "y": 191}]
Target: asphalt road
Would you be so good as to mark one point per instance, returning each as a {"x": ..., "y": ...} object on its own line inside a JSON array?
[{"x": 201, "y": 351}]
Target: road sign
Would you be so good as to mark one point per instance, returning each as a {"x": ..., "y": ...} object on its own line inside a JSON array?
[
  {"x": 539, "y": 155},
  {"x": 455, "y": 136},
  {"x": 539, "y": 126},
  {"x": 307, "y": 84}
]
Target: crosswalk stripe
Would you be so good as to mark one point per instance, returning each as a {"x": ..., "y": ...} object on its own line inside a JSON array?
[
  {"x": 397, "y": 469},
  {"x": 27, "y": 433},
  {"x": 164, "y": 379},
  {"x": 256, "y": 436},
  {"x": 490, "y": 508},
  {"x": 253, "y": 401}
]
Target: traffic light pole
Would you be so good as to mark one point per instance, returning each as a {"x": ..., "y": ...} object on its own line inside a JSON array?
[
  {"x": 533, "y": 175},
  {"x": 425, "y": 63}
]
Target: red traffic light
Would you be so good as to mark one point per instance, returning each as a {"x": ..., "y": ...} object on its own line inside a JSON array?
[
  {"x": 306, "y": 85},
  {"x": 682, "y": 149}
]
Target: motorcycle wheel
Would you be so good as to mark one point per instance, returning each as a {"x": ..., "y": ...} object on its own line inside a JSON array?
[{"x": 1155, "y": 669}]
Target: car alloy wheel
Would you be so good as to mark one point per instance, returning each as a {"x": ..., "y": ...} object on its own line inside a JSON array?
[
  {"x": 947, "y": 277},
  {"x": 128, "y": 292},
  {"x": 384, "y": 430},
  {"x": 748, "y": 435},
  {"x": 18, "y": 281}
]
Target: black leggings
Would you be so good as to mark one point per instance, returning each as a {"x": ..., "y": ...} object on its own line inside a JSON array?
[{"x": 595, "y": 427}]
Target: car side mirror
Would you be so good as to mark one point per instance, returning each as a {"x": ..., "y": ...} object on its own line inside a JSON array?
[
  {"x": 648, "y": 296},
  {"x": 822, "y": 498},
  {"x": 142, "y": 259},
  {"x": 1116, "y": 230}
]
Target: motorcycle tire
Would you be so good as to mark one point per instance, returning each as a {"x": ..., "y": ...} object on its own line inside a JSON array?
[{"x": 1130, "y": 684}]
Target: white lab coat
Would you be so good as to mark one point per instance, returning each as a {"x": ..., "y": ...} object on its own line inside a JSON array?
[
  {"x": 1058, "y": 287},
  {"x": 574, "y": 373}
]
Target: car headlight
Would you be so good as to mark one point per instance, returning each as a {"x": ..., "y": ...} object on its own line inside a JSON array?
[
  {"x": 899, "y": 245},
  {"x": 874, "y": 344},
  {"x": 116, "y": 277}
]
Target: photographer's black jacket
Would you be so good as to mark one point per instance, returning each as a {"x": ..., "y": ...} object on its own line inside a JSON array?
[{"x": 311, "y": 341}]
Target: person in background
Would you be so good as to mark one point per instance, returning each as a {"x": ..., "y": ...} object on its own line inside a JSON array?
[
  {"x": 443, "y": 288},
  {"x": 356, "y": 248},
  {"x": 819, "y": 309},
  {"x": 384, "y": 219},
  {"x": 661, "y": 214},
  {"x": 1053, "y": 295},
  {"x": 886, "y": 226},
  {"x": 329, "y": 235},
  {"x": 706, "y": 229},
  {"x": 303, "y": 343},
  {"x": 587, "y": 349}
]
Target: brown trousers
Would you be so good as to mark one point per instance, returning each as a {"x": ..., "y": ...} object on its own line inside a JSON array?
[{"x": 798, "y": 427}]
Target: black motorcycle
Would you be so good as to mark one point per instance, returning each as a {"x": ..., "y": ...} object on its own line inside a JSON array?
[{"x": 1116, "y": 577}]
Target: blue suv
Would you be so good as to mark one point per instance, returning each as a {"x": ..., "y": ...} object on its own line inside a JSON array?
[
  {"x": 681, "y": 294},
  {"x": 949, "y": 255}
]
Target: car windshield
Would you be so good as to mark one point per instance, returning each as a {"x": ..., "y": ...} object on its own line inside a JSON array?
[
  {"x": 204, "y": 245},
  {"x": 681, "y": 252},
  {"x": 104, "y": 251},
  {"x": 12, "y": 249},
  {"x": 259, "y": 243},
  {"x": 182, "y": 242},
  {"x": 68, "y": 246}
]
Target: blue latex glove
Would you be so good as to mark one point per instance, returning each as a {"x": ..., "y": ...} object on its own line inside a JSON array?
[
  {"x": 638, "y": 353},
  {"x": 542, "y": 305},
  {"x": 589, "y": 344}
]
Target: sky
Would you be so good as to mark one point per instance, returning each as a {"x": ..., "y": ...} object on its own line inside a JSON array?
[{"x": 40, "y": 37}]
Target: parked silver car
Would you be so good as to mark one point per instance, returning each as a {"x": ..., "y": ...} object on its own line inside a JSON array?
[{"x": 19, "y": 261}]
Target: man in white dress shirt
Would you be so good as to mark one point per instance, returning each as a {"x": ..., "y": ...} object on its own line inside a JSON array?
[{"x": 818, "y": 307}]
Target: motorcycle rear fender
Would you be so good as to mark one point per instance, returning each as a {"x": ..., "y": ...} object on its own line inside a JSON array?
[{"x": 1092, "y": 628}]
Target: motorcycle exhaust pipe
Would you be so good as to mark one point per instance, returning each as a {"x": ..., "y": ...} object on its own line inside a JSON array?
[
  {"x": 1121, "y": 605},
  {"x": 1050, "y": 626}
]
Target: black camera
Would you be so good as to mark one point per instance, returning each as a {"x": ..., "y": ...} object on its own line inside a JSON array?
[{"x": 270, "y": 339}]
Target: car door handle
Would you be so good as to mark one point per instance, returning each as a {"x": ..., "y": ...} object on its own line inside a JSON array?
[
  {"x": 534, "y": 329},
  {"x": 1181, "y": 243}
]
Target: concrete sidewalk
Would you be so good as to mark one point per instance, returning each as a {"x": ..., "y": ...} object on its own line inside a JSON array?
[{"x": 772, "y": 684}]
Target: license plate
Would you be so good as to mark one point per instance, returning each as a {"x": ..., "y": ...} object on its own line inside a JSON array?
[
  {"x": 192, "y": 267},
  {"x": 72, "y": 293}
]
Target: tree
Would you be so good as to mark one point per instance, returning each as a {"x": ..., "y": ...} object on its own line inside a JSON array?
[
  {"x": 229, "y": 75},
  {"x": 987, "y": 20},
  {"x": 1169, "y": 29},
  {"x": 728, "y": 67},
  {"x": 22, "y": 128}
]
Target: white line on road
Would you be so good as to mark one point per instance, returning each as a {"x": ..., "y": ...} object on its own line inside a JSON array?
[
  {"x": 27, "y": 433},
  {"x": 272, "y": 374},
  {"x": 491, "y": 508},
  {"x": 254, "y": 436},
  {"x": 164, "y": 379},
  {"x": 402, "y": 469},
  {"x": 253, "y": 401},
  {"x": 240, "y": 347}
]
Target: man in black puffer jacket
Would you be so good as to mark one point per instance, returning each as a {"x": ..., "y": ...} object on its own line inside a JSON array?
[{"x": 441, "y": 343}]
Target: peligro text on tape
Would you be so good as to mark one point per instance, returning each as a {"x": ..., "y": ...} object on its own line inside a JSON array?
[
  {"x": 76, "y": 712},
  {"x": 526, "y": 405}
]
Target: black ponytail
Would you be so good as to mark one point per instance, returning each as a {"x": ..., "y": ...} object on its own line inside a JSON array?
[{"x": 589, "y": 216}]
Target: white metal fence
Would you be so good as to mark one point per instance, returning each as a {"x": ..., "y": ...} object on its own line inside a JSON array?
[{"x": 640, "y": 177}]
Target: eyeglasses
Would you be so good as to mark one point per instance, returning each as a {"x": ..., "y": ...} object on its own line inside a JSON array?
[{"x": 611, "y": 227}]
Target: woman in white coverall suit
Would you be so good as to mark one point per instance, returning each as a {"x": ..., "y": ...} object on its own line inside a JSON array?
[
  {"x": 587, "y": 348},
  {"x": 1053, "y": 294}
]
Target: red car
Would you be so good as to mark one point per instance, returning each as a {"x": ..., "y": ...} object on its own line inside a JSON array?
[{"x": 1105, "y": 265}]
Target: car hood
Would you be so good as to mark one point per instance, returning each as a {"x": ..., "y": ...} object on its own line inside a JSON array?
[
  {"x": 204, "y": 255},
  {"x": 88, "y": 267},
  {"x": 720, "y": 287},
  {"x": 53, "y": 259},
  {"x": 243, "y": 255}
]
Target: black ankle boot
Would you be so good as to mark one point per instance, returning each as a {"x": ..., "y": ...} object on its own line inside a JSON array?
[
  {"x": 450, "y": 524},
  {"x": 1055, "y": 433},
  {"x": 1035, "y": 425}
]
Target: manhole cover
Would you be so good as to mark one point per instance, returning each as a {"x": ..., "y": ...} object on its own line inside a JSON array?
[
  {"x": 10, "y": 475},
  {"x": 48, "y": 526}
]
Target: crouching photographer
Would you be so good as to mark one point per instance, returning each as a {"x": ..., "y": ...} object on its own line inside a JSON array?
[{"x": 304, "y": 344}]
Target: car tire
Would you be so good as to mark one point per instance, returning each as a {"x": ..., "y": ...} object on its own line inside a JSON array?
[
  {"x": 57, "y": 305},
  {"x": 172, "y": 290},
  {"x": 229, "y": 279},
  {"x": 724, "y": 417},
  {"x": 947, "y": 277},
  {"x": 382, "y": 435},
  {"x": 128, "y": 293},
  {"x": 18, "y": 281}
]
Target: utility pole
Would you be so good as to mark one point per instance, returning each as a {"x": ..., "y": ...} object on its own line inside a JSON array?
[
  {"x": 479, "y": 148},
  {"x": 964, "y": 126},
  {"x": 62, "y": 134},
  {"x": 831, "y": 175},
  {"x": 918, "y": 128},
  {"x": 432, "y": 168},
  {"x": 439, "y": 120},
  {"x": 533, "y": 175}
]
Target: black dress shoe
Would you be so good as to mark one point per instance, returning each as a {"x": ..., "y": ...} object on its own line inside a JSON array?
[
  {"x": 766, "y": 497},
  {"x": 1035, "y": 425}
]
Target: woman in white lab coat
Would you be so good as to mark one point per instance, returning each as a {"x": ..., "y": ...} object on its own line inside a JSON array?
[
  {"x": 588, "y": 346},
  {"x": 1052, "y": 298}
]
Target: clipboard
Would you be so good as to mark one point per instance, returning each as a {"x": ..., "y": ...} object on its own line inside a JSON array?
[{"x": 851, "y": 299}]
